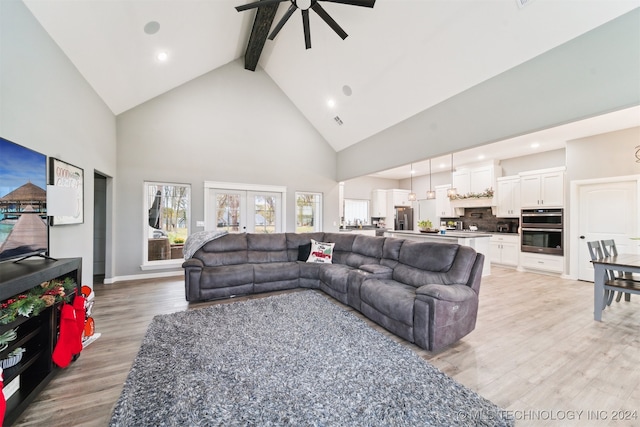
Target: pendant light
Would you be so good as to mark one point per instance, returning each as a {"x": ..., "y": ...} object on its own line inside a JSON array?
[
  {"x": 452, "y": 190},
  {"x": 412, "y": 195},
  {"x": 430, "y": 194}
]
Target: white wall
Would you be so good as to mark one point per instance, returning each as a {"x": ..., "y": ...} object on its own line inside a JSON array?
[
  {"x": 46, "y": 105},
  {"x": 229, "y": 125}
]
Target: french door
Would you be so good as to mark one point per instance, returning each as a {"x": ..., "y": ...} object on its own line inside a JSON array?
[{"x": 242, "y": 210}]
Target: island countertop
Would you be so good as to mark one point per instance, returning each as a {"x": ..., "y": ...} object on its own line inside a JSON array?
[{"x": 449, "y": 233}]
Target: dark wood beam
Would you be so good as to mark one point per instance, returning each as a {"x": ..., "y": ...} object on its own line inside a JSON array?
[{"x": 261, "y": 26}]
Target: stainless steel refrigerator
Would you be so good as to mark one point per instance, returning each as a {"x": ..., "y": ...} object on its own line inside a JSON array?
[{"x": 403, "y": 218}]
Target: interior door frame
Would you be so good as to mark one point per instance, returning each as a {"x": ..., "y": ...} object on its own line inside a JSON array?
[
  {"x": 249, "y": 188},
  {"x": 574, "y": 215}
]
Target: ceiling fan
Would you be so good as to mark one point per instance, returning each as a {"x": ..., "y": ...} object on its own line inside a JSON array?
[{"x": 304, "y": 6}]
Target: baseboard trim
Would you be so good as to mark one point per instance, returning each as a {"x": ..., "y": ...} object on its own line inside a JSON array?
[{"x": 111, "y": 280}]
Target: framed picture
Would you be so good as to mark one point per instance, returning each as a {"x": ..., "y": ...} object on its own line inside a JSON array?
[{"x": 65, "y": 175}]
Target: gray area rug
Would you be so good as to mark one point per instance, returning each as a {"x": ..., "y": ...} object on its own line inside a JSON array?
[{"x": 295, "y": 359}]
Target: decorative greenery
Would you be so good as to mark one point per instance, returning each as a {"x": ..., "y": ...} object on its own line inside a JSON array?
[
  {"x": 486, "y": 194},
  {"x": 425, "y": 224},
  {"x": 37, "y": 299},
  {"x": 7, "y": 337}
]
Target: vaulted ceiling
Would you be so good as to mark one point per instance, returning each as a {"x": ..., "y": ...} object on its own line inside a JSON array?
[{"x": 401, "y": 56}]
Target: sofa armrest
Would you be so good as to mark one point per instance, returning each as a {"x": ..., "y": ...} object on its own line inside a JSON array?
[
  {"x": 452, "y": 293},
  {"x": 380, "y": 271},
  {"x": 193, "y": 262}
]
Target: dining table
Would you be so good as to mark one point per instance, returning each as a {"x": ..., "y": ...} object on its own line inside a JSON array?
[{"x": 625, "y": 263}]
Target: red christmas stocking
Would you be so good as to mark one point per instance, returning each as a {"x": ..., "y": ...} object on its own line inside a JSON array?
[
  {"x": 79, "y": 307},
  {"x": 68, "y": 338}
]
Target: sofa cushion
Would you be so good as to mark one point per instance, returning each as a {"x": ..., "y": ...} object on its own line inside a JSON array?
[
  {"x": 335, "y": 276},
  {"x": 229, "y": 249},
  {"x": 391, "y": 298},
  {"x": 263, "y": 248},
  {"x": 344, "y": 244},
  {"x": 275, "y": 271},
  {"x": 226, "y": 276},
  {"x": 321, "y": 252},
  {"x": 365, "y": 250},
  {"x": 391, "y": 251},
  {"x": 294, "y": 240}
]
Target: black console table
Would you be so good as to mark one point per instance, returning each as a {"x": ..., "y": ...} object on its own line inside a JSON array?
[{"x": 37, "y": 334}]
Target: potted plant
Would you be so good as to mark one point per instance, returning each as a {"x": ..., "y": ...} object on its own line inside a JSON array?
[{"x": 425, "y": 225}]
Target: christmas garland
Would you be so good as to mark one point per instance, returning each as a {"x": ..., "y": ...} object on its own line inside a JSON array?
[
  {"x": 37, "y": 299},
  {"x": 487, "y": 193}
]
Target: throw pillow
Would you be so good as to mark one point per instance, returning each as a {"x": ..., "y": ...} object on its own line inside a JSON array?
[
  {"x": 321, "y": 252},
  {"x": 304, "y": 251}
]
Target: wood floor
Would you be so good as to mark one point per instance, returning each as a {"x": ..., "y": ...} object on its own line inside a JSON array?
[{"x": 536, "y": 351}]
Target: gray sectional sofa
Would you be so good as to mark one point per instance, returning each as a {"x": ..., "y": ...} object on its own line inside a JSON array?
[{"x": 426, "y": 293}]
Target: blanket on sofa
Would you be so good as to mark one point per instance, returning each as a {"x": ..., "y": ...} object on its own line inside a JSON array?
[{"x": 197, "y": 240}]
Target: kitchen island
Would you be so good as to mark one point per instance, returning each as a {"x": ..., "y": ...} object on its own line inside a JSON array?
[{"x": 475, "y": 239}]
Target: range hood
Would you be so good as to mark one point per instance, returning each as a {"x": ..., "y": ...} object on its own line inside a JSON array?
[{"x": 474, "y": 202}]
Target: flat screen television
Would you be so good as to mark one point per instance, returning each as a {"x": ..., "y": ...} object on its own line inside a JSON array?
[{"x": 24, "y": 228}]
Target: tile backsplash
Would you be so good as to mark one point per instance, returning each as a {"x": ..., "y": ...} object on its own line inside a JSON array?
[{"x": 485, "y": 220}]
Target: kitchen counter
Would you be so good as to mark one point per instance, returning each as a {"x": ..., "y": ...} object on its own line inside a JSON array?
[{"x": 475, "y": 239}]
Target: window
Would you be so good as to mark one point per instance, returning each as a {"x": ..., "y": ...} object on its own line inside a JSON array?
[
  {"x": 167, "y": 215},
  {"x": 356, "y": 212},
  {"x": 308, "y": 212}
]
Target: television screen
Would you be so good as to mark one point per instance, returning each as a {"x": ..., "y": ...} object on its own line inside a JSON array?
[{"x": 23, "y": 201}]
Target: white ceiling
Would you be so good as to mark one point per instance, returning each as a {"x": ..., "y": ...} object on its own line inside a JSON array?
[{"x": 401, "y": 57}]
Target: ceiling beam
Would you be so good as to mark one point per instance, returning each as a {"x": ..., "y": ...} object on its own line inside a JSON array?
[{"x": 261, "y": 26}]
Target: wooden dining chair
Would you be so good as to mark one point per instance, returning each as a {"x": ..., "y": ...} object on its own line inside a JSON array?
[
  {"x": 595, "y": 251},
  {"x": 609, "y": 249}
]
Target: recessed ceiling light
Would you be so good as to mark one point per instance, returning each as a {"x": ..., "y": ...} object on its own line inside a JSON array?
[
  {"x": 162, "y": 56},
  {"x": 481, "y": 157},
  {"x": 331, "y": 103},
  {"x": 535, "y": 145},
  {"x": 151, "y": 27}
]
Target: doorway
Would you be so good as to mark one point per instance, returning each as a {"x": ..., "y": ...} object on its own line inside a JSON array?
[
  {"x": 100, "y": 226},
  {"x": 605, "y": 209}
]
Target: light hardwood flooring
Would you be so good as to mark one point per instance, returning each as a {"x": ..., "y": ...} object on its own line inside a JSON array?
[{"x": 536, "y": 351}]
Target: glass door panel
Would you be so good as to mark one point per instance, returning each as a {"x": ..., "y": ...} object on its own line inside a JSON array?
[{"x": 229, "y": 215}]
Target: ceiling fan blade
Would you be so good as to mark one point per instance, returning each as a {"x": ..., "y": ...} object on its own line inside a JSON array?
[
  {"x": 329, "y": 20},
  {"x": 256, "y": 4},
  {"x": 363, "y": 3},
  {"x": 307, "y": 31},
  {"x": 282, "y": 21}
]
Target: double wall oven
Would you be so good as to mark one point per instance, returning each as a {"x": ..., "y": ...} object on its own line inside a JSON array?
[{"x": 542, "y": 231}]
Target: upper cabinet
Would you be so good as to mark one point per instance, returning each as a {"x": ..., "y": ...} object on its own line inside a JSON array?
[
  {"x": 443, "y": 204},
  {"x": 508, "y": 197},
  {"x": 398, "y": 198},
  {"x": 476, "y": 179},
  {"x": 543, "y": 188},
  {"x": 379, "y": 203}
]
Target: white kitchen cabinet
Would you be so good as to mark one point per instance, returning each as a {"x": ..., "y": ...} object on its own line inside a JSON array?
[
  {"x": 443, "y": 204},
  {"x": 476, "y": 179},
  {"x": 398, "y": 198},
  {"x": 505, "y": 249},
  {"x": 508, "y": 197},
  {"x": 379, "y": 203},
  {"x": 462, "y": 181},
  {"x": 542, "y": 188},
  {"x": 542, "y": 262}
]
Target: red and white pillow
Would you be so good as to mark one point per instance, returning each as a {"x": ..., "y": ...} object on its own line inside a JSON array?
[{"x": 321, "y": 252}]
